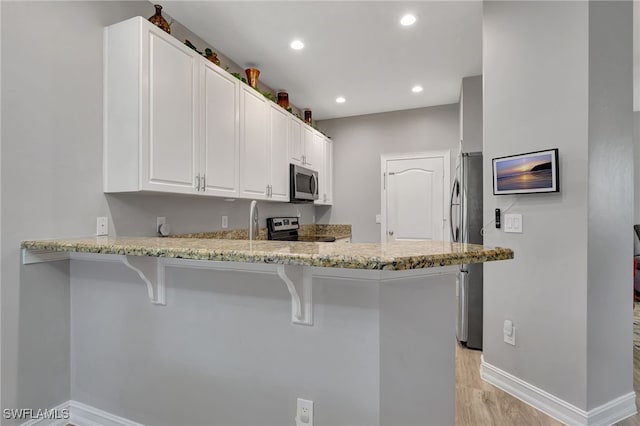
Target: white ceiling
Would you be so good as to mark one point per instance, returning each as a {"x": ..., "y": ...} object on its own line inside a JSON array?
[{"x": 354, "y": 49}]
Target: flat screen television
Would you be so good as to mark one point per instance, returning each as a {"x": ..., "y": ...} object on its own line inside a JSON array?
[{"x": 528, "y": 173}]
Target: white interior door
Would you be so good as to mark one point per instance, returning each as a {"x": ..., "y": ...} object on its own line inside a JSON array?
[{"x": 413, "y": 197}]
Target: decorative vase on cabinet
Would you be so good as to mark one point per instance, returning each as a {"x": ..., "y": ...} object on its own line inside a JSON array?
[{"x": 159, "y": 21}]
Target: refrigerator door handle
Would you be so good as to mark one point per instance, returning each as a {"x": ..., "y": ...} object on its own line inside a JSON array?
[
  {"x": 463, "y": 307},
  {"x": 453, "y": 191}
]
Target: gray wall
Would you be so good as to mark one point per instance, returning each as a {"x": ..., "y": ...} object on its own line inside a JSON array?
[
  {"x": 610, "y": 206},
  {"x": 471, "y": 114},
  {"x": 358, "y": 144},
  {"x": 223, "y": 351},
  {"x": 52, "y": 182},
  {"x": 546, "y": 98}
]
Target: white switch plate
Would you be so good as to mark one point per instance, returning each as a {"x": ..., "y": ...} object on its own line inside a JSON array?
[
  {"x": 225, "y": 222},
  {"x": 160, "y": 220},
  {"x": 513, "y": 222},
  {"x": 378, "y": 218},
  {"x": 102, "y": 226}
]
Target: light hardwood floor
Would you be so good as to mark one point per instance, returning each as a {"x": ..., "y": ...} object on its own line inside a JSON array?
[{"x": 480, "y": 404}]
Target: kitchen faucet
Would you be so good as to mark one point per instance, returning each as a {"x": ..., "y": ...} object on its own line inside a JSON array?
[{"x": 253, "y": 220}]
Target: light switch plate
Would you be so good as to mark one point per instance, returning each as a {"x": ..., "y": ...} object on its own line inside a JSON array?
[
  {"x": 378, "y": 218},
  {"x": 513, "y": 222}
]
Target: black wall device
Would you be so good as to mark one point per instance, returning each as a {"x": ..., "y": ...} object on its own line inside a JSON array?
[{"x": 498, "y": 218}]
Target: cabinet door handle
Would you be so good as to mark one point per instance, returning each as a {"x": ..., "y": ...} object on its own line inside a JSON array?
[
  {"x": 304, "y": 160},
  {"x": 197, "y": 182},
  {"x": 267, "y": 191},
  {"x": 204, "y": 183}
]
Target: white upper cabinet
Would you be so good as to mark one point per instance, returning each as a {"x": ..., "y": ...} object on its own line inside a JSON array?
[
  {"x": 151, "y": 95},
  {"x": 310, "y": 157},
  {"x": 328, "y": 168},
  {"x": 304, "y": 146},
  {"x": 175, "y": 122},
  {"x": 172, "y": 140},
  {"x": 325, "y": 174},
  {"x": 264, "y": 154},
  {"x": 296, "y": 141},
  {"x": 221, "y": 139},
  {"x": 314, "y": 152},
  {"x": 278, "y": 151},
  {"x": 254, "y": 152}
]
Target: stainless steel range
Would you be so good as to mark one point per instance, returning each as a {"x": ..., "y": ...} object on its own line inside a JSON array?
[{"x": 286, "y": 229}]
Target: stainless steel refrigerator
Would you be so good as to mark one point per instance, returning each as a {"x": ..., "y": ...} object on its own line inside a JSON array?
[{"x": 466, "y": 224}]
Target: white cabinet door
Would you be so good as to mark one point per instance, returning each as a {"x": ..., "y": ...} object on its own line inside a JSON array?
[
  {"x": 325, "y": 174},
  {"x": 170, "y": 139},
  {"x": 328, "y": 168},
  {"x": 296, "y": 141},
  {"x": 279, "y": 157},
  {"x": 314, "y": 152},
  {"x": 220, "y": 150},
  {"x": 308, "y": 143},
  {"x": 254, "y": 153}
]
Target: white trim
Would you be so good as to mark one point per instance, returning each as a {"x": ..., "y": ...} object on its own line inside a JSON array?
[
  {"x": 606, "y": 414},
  {"x": 445, "y": 155},
  {"x": 86, "y": 415}
]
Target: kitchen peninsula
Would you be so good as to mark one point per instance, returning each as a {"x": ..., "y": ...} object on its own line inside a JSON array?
[{"x": 406, "y": 289}]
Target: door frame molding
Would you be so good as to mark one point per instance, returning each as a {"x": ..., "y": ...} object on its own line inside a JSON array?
[{"x": 445, "y": 154}]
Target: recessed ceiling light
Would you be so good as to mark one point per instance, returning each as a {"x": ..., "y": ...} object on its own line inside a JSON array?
[
  {"x": 416, "y": 89},
  {"x": 407, "y": 20},
  {"x": 296, "y": 44},
  {"x": 340, "y": 100}
]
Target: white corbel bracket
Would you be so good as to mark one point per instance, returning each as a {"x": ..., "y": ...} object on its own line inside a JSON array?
[
  {"x": 151, "y": 271},
  {"x": 298, "y": 280}
]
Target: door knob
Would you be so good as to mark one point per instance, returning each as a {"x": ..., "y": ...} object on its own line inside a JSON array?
[{"x": 391, "y": 233}]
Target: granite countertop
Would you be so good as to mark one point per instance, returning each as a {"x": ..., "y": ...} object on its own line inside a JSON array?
[
  {"x": 390, "y": 256},
  {"x": 309, "y": 230}
]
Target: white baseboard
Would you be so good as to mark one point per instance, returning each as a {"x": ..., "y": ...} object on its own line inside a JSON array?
[
  {"x": 604, "y": 415},
  {"x": 83, "y": 415}
]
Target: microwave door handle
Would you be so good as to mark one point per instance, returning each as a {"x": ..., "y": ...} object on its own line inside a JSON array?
[{"x": 314, "y": 185}]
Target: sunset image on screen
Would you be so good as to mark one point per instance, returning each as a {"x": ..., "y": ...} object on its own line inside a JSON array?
[{"x": 530, "y": 172}]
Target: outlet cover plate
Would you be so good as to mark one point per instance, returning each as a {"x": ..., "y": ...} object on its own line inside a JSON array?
[{"x": 102, "y": 226}]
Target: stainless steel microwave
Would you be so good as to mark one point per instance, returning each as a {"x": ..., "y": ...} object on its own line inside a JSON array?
[{"x": 303, "y": 184}]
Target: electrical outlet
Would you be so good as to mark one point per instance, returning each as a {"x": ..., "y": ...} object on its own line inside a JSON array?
[
  {"x": 298, "y": 214},
  {"x": 225, "y": 222},
  {"x": 304, "y": 412},
  {"x": 160, "y": 220},
  {"x": 509, "y": 332},
  {"x": 102, "y": 226}
]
